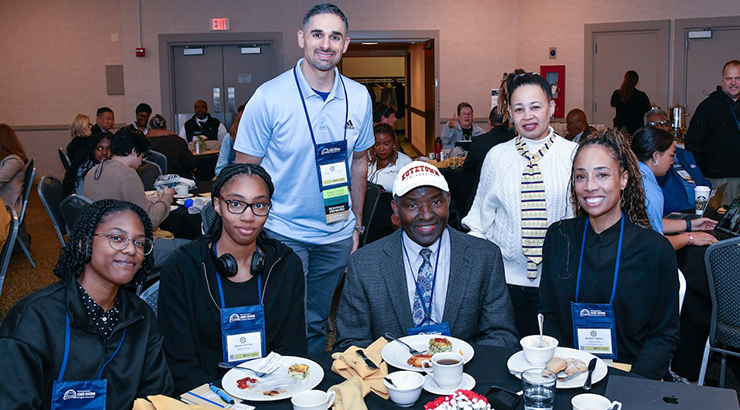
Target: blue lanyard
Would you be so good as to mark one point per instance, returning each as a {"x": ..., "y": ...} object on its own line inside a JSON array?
[
  {"x": 416, "y": 280},
  {"x": 733, "y": 114},
  {"x": 305, "y": 110},
  {"x": 66, "y": 352},
  {"x": 221, "y": 289},
  {"x": 616, "y": 267}
]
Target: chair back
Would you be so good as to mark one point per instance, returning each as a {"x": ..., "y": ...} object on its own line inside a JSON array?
[
  {"x": 159, "y": 159},
  {"x": 50, "y": 192},
  {"x": 8, "y": 247},
  {"x": 372, "y": 195},
  {"x": 71, "y": 208},
  {"x": 208, "y": 217},
  {"x": 26, "y": 192},
  {"x": 151, "y": 296},
  {"x": 723, "y": 272},
  {"x": 148, "y": 172},
  {"x": 66, "y": 163}
]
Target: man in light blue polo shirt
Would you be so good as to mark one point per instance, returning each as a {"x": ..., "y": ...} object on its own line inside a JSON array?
[{"x": 310, "y": 128}]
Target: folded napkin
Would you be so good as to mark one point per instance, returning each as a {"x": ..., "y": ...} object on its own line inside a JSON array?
[
  {"x": 350, "y": 394},
  {"x": 626, "y": 367},
  {"x": 160, "y": 402},
  {"x": 349, "y": 364}
]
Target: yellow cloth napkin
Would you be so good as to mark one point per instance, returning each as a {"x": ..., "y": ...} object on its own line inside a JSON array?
[
  {"x": 349, "y": 364},
  {"x": 625, "y": 367},
  {"x": 350, "y": 394},
  {"x": 161, "y": 233},
  {"x": 161, "y": 402}
]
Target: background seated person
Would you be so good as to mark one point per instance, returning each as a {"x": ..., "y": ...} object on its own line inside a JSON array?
[
  {"x": 104, "y": 121},
  {"x": 384, "y": 114},
  {"x": 263, "y": 273},
  {"x": 201, "y": 123},
  {"x": 388, "y": 287},
  {"x": 461, "y": 127},
  {"x": 642, "y": 283},
  {"x": 577, "y": 126},
  {"x": 655, "y": 151},
  {"x": 80, "y": 131},
  {"x": 180, "y": 160},
  {"x": 95, "y": 150},
  {"x": 110, "y": 246},
  {"x": 227, "y": 154},
  {"x": 684, "y": 175},
  {"x": 499, "y": 133},
  {"x": 13, "y": 162}
]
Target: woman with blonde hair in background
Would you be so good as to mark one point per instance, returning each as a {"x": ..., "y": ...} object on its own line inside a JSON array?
[{"x": 80, "y": 131}]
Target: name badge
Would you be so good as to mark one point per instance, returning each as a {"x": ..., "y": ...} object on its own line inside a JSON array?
[
  {"x": 442, "y": 329},
  {"x": 243, "y": 333},
  {"x": 594, "y": 329},
  {"x": 243, "y": 346}
]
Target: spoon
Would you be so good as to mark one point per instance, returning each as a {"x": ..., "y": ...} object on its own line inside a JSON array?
[
  {"x": 388, "y": 379},
  {"x": 541, "y": 323}
]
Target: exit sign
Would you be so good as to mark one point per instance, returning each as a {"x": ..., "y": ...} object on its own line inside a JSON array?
[{"x": 220, "y": 24}]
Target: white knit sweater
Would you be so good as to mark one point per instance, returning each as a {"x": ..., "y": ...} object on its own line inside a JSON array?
[{"x": 496, "y": 214}]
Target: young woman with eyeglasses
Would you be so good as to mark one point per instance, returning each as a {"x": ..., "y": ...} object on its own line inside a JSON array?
[
  {"x": 85, "y": 340},
  {"x": 235, "y": 294}
]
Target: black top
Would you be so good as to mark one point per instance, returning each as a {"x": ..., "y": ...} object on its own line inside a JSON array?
[
  {"x": 482, "y": 144},
  {"x": 645, "y": 304},
  {"x": 209, "y": 128},
  {"x": 714, "y": 136},
  {"x": 74, "y": 146},
  {"x": 180, "y": 160},
  {"x": 630, "y": 113}
]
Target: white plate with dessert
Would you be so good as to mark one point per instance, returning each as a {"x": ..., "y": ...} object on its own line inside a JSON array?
[
  {"x": 571, "y": 359},
  {"x": 398, "y": 355},
  {"x": 294, "y": 376}
]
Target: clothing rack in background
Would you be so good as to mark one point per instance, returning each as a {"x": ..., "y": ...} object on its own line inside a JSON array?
[{"x": 388, "y": 90}]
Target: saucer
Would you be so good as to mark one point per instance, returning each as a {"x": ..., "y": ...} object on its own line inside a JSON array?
[
  {"x": 467, "y": 383},
  {"x": 188, "y": 195}
]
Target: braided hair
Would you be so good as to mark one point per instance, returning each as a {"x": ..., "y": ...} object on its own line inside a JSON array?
[
  {"x": 226, "y": 176},
  {"x": 633, "y": 196},
  {"x": 77, "y": 253},
  {"x": 384, "y": 129}
]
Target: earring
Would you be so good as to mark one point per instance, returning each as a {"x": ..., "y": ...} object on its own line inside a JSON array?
[
  {"x": 655, "y": 162},
  {"x": 621, "y": 199}
]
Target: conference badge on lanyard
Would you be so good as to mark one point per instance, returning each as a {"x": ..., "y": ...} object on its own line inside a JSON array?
[
  {"x": 242, "y": 329},
  {"x": 80, "y": 394},
  {"x": 594, "y": 324}
]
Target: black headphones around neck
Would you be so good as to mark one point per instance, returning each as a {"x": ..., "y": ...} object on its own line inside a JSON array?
[{"x": 227, "y": 266}]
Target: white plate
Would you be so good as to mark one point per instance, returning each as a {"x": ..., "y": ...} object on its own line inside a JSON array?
[
  {"x": 518, "y": 363},
  {"x": 397, "y": 354},
  {"x": 467, "y": 383},
  {"x": 188, "y": 195},
  {"x": 314, "y": 378},
  {"x": 153, "y": 193}
]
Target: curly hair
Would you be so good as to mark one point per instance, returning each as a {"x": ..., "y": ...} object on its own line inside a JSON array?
[
  {"x": 78, "y": 251},
  {"x": 633, "y": 196},
  {"x": 372, "y": 157},
  {"x": 225, "y": 177}
]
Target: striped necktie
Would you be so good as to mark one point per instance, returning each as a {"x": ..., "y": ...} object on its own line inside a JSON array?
[{"x": 534, "y": 207}]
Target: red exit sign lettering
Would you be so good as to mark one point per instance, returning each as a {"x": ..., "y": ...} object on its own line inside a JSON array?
[{"x": 220, "y": 24}]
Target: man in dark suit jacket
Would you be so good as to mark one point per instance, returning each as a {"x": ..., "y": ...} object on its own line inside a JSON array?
[
  {"x": 483, "y": 143},
  {"x": 104, "y": 120},
  {"x": 577, "y": 125},
  {"x": 385, "y": 285}
]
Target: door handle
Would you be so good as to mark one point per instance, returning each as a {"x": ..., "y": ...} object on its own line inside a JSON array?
[
  {"x": 231, "y": 95},
  {"x": 217, "y": 100}
]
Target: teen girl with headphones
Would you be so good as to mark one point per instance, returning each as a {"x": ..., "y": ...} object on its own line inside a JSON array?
[{"x": 235, "y": 294}]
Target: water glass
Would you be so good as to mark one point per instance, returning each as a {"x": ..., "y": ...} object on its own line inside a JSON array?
[{"x": 539, "y": 389}]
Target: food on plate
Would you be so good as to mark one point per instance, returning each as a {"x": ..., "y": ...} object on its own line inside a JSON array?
[
  {"x": 246, "y": 383},
  {"x": 439, "y": 345},
  {"x": 299, "y": 371},
  {"x": 416, "y": 359},
  {"x": 570, "y": 365},
  {"x": 273, "y": 392}
]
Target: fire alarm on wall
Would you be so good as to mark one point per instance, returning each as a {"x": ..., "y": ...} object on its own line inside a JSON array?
[{"x": 140, "y": 52}]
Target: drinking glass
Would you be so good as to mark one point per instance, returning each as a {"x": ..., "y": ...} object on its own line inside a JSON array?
[{"x": 539, "y": 389}]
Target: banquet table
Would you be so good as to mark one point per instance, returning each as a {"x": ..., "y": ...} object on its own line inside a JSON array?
[
  {"x": 488, "y": 367},
  {"x": 185, "y": 225},
  {"x": 205, "y": 165}
]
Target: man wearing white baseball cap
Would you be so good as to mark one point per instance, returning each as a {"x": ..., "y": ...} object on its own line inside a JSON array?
[{"x": 416, "y": 279}]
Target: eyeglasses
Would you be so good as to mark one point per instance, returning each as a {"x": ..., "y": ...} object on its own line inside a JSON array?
[
  {"x": 119, "y": 242},
  {"x": 238, "y": 207},
  {"x": 659, "y": 123}
]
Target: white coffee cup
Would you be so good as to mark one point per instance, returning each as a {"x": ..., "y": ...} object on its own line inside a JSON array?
[
  {"x": 181, "y": 190},
  {"x": 701, "y": 198},
  {"x": 590, "y": 401},
  {"x": 446, "y": 369},
  {"x": 313, "y": 400}
]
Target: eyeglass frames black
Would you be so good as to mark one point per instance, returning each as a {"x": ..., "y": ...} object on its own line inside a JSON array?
[{"x": 238, "y": 207}]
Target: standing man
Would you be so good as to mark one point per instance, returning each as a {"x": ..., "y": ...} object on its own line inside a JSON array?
[
  {"x": 714, "y": 133},
  {"x": 104, "y": 120},
  {"x": 201, "y": 123},
  {"x": 310, "y": 129},
  {"x": 143, "y": 111}
]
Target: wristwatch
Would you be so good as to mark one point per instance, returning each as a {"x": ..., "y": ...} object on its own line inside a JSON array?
[{"x": 360, "y": 229}]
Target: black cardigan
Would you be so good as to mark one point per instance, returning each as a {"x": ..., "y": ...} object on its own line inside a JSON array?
[
  {"x": 190, "y": 320},
  {"x": 646, "y": 300}
]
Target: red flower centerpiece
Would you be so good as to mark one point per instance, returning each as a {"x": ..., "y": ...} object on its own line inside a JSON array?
[{"x": 459, "y": 400}]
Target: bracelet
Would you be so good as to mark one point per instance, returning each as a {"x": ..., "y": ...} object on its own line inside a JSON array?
[
  {"x": 691, "y": 238},
  {"x": 688, "y": 225}
]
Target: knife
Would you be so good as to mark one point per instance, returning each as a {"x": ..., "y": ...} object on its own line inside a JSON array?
[
  {"x": 591, "y": 367},
  {"x": 369, "y": 363}
]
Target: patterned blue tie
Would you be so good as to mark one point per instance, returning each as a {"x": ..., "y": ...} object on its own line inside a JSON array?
[{"x": 423, "y": 286}]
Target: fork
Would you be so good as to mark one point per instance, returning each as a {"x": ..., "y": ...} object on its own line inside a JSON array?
[
  {"x": 272, "y": 362},
  {"x": 225, "y": 365},
  {"x": 413, "y": 351}
]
